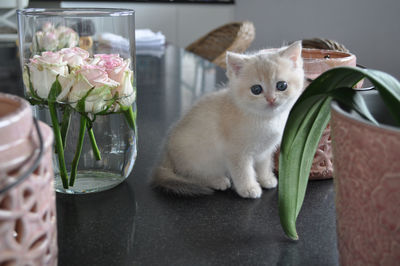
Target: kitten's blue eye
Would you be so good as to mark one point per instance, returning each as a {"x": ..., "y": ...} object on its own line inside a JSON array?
[
  {"x": 281, "y": 85},
  {"x": 256, "y": 89}
]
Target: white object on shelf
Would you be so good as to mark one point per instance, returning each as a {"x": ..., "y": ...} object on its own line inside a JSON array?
[
  {"x": 146, "y": 37},
  {"x": 181, "y": 24},
  {"x": 147, "y": 42}
]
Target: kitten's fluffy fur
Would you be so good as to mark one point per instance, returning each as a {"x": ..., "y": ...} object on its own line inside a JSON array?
[{"x": 229, "y": 136}]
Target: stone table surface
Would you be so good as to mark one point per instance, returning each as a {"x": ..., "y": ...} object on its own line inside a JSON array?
[{"x": 135, "y": 225}]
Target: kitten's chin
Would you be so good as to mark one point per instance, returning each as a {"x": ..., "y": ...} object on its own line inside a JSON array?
[
  {"x": 274, "y": 108},
  {"x": 266, "y": 111}
]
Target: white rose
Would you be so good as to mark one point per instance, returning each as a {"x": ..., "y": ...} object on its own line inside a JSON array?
[
  {"x": 75, "y": 56},
  {"x": 126, "y": 92},
  {"x": 119, "y": 70},
  {"x": 67, "y": 37},
  {"x": 52, "y": 39},
  {"x": 45, "y": 41},
  {"x": 43, "y": 72}
]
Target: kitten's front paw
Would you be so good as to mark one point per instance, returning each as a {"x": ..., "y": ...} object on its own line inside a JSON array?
[
  {"x": 253, "y": 191},
  {"x": 269, "y": 182}
]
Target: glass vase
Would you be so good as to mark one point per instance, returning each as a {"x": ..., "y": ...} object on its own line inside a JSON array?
[{"x": 79, "y": 74}]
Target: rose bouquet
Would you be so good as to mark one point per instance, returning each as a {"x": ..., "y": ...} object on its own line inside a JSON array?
[
  {"x": 70, "y": 80},
  {"x": 84, "y": 89}
]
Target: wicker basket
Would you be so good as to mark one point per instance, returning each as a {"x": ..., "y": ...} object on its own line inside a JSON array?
[
  {"x": 234, "y": 37},
  {"x": 324, "y": 44}
]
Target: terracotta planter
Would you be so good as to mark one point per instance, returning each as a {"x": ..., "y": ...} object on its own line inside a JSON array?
[
  {"x": 316, "y": 62},
  {"x": 28, "y": 231},
  {"x": 367, "y": 183}
]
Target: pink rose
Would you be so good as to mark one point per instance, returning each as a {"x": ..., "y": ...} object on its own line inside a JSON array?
[
  {"x": 96, "y": 76},
  {"x": 119, "y": 70},
  {"x": 113, "y": 64}
]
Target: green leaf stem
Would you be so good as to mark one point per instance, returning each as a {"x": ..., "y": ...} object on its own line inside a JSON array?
[
  {"x": 78, "y": 150},
  {"x": 66, "y": 119},
  {"x": 54, "y": 91},
  {"x": 93, "y": 142},
  {"x": 130, "y": 118}
]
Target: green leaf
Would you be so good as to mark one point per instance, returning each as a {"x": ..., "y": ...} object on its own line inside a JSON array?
[
  {"x": 55, "y": 90},
  {"x": 389, "y": 89},
  {"x": 33, "y": 101},
  {"x": 130, "y": 118},
  {"x": 80, "y": 106},
  {"x": 308, "y": 119},
  {"x": 109, "y": 105},
  {"x": 353, "y": 100},
  {"x": 304, "y": 142}
]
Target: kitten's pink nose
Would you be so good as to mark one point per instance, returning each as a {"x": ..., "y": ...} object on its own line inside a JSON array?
[{"x": 271, "y": 100}]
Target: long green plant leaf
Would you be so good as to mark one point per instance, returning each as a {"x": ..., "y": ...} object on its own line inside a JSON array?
[
  {"x": 307, "y": 120},
  {"x": 353, "y": 100},
  {"x": 389, "y": 89}
]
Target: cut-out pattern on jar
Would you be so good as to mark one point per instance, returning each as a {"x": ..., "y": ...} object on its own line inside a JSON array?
[{"x": 28, "y": 228}]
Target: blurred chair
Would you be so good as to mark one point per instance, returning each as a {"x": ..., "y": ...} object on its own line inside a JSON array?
[
  {"x": 8, "y": 22},
  {"x": 234, "y": 37}
]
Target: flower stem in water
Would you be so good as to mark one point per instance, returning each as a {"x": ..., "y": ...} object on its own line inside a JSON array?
[
  {"x": 59, "y": 144},
  {"x": 65, "y": 124},
  {"x": 78, "y": 150},
  {"x": 130, "y": 117},
  {"x": 95, "y": 148}
]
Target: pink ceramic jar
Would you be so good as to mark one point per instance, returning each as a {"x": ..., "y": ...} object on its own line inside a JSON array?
[
  {"x": 28, "y": 229},
  {"x": 367, "y": 185}
]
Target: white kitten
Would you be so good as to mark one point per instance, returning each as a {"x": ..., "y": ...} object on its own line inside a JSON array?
[{"x": 229, "y": 136}]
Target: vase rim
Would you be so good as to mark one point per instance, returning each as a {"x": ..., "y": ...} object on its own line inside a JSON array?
[
  {"x": 335, "y": 107},
  {"x": 76, "y": 12},
  {"x": 20, "y": 109}
]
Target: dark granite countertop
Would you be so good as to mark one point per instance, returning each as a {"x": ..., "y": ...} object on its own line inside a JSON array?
[{"x": 135, "y": 225}]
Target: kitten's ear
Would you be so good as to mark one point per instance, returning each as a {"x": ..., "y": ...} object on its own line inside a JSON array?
[
  {"x": 234, "y": 63},
  {"x": 293, "y": 52}
]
